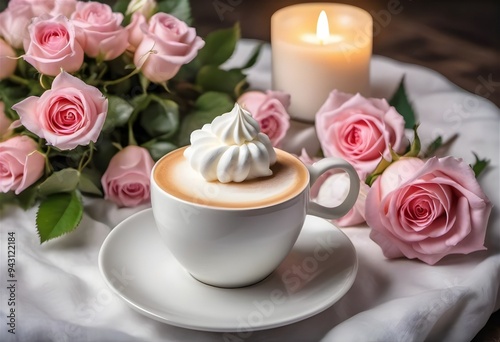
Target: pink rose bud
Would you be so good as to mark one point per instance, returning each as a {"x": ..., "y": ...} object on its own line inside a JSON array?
[
  {"x": 7, "y": 64},
  {"x": 135, "y": 33},
  {"x": 359, "y": 130},
  {"x": 62, "y": 50},
  {"x": 99, "y": 30},
  {"x": 20, "y": 164},
  {"x": 427, "y": 209},
  {"x": 168, "y": 43},
  {"x": 126, "y": 180},
  {"x": 14, "y": 22},
  {"x": 270, "y": 111},
  {"x": 72, "y": 113}
]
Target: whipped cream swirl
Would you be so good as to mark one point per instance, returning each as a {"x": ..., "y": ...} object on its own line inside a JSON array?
[{"x": 231, "y": 148}]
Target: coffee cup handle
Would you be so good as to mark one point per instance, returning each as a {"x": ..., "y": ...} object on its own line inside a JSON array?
[{"x": 319, "y": 168}]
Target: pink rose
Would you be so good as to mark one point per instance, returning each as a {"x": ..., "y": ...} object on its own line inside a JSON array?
[
  {"x": 270, "y": 111},
  {"x": 359, "y": 130},
  {"x": 332, "y": 189},
  {"x": 100, "y": 30},
  {"x": 52, "y": 7},
  {"x": 427, "y": 209},
  {"x": 8, "y": 65},
  {"x": 4, "y": 122},
  {"x": 20, "y": 164},
  {"x": 72, "y": 113},
  {"x": 135, "y": 33},
  {"x": 168, "y": 43},
  {"x": 14, "y": 22},
  {"x": 126, "y": 180},
  {"x": 52, "y": 45}
]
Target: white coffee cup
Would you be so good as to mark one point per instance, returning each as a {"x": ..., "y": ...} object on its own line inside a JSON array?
[{"x": 234, "y": 235}]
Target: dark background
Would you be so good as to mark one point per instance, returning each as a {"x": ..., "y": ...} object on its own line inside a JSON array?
[{"x": 459, "y": 39}]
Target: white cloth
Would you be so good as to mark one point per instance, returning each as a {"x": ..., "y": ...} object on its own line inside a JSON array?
[{"x": 61, "y": 296}]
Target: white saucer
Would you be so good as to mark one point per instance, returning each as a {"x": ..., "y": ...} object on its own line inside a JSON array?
[{"x": 319, "y": 271}]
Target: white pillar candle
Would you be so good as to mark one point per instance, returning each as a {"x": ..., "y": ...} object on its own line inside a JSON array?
[{"x": 310, "y": 59}]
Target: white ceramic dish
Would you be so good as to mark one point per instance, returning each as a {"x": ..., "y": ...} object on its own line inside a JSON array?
[{"x": 138, "y": 267}]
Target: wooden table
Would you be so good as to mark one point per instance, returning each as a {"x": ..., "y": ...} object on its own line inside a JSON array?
[{"x": 460, "y": 40}]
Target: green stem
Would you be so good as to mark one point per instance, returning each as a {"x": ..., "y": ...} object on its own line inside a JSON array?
[
  {"x": 82, "y": 165},
  {"x": 121, "y": 79},
  {"x": 19, "y": 80},
  {"x": 131, "y": 138},
  {"x": 48, "y": 167}
]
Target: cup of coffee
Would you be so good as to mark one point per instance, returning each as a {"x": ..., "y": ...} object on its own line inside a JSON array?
[{"x": 234, "y": 234}]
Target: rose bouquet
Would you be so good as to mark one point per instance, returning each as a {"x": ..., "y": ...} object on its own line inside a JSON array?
[
  {"x": 91, "y": 96},
  {"x": 417, "y": 205}
]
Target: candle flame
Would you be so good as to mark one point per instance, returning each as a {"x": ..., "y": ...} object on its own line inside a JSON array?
[{"x": 322, "y": 28}]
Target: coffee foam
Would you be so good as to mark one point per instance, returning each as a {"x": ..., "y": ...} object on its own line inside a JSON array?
[{"x": 175, "y": 176}]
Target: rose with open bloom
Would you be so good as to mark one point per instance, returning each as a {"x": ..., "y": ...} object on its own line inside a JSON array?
[
  {"x": 71, "y": 113},
  {"x": 269, "y": 109},
  {"x": 331, "y": 190},
  {"x": 360, "y": 130},
  {"x": 427, "y": 209},
  {"x": 21, "y": 164},
  {"x": 126, "y": 180},
  {"x": 168, "y": 43},
  {"x": 99, "y": 30},
  {"x": 52, "y": 7},
  {"x": 7, "y": 63},
  {"x": 52, "y": 45}
]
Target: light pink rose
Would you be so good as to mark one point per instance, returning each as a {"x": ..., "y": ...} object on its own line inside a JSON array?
[
  {"x": 135, "y": 33},
  {"x": 8, "y": 65},
  {"x": 332, "y": 189},
  {"x": 427, "y": 209},
  {"x": 126, "y": 180},
  {"x": 168, "y": 43},
  {"x": 20, "y": 164},
  {"x": 52, "y": 7},
  {"x": 99, "y": 30},
  {"x": 14, "y": 22},
  {"x": 270, "y": 111},
  {"x": 4, "y": 122},
  {"x": 359, "y": 130},
  {"x": 72, "y": 113},
  {"x": 52, "y": 45}
]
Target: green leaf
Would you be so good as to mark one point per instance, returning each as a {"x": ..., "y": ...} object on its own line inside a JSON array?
[
  {"x": 178, "y": 8},
  {"x": 58, "y": 214},
  {"x": 65, "y": 180},
  {"x": 90, "y": 183},
  {"x": 211, "y": 78},
  {"x": 207, "y": 107},
  {"x": 253, "y": 57},
  {"x": 121, "y": 6},
  {"x": 158, "y": 149},
  {"x": 219, "y": 46},
  {"x": 400, "y": 101},
  {"x": 415, "y": 145},
  {"x": 479, "y": 165},
  {"x": 119, "y": 112},
  {"x": 434, "y": 146},
  {"x": 160, "y": 117}
]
